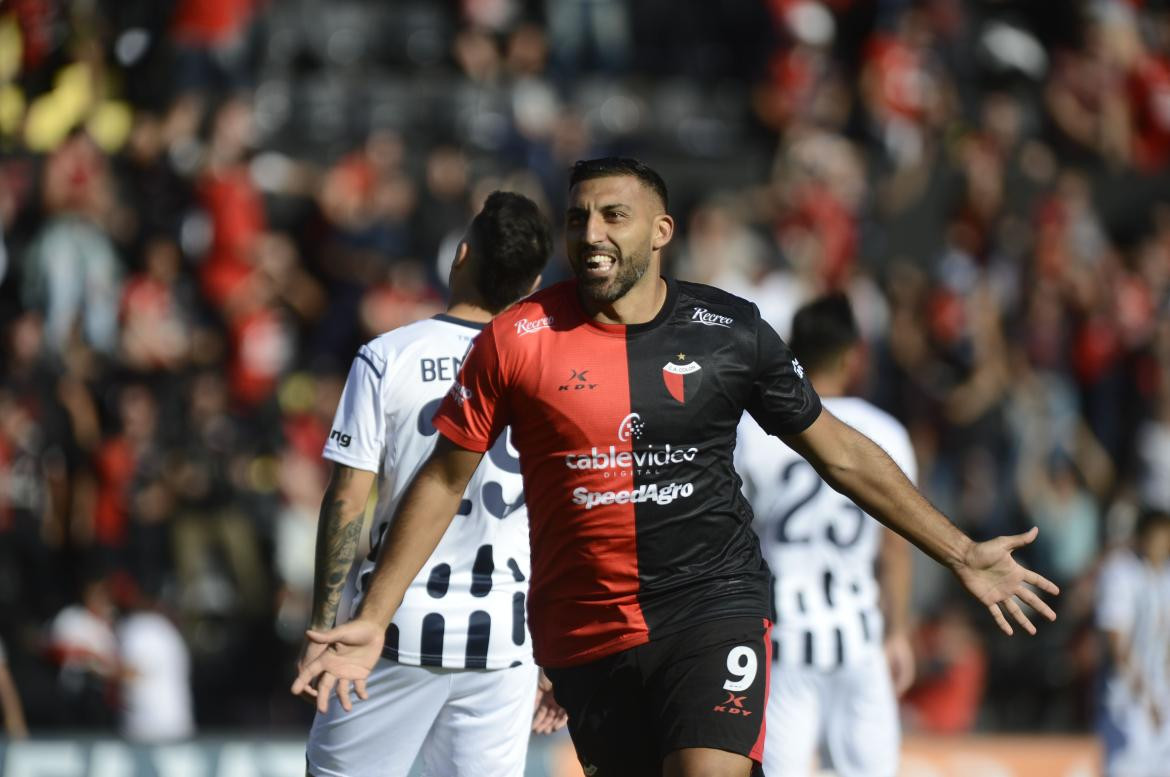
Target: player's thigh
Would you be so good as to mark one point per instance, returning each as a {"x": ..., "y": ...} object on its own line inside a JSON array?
[
  {"x": 795, "y": 711},
  {"x": 709, "y": 687},
  {"x": 381, "y": 735},
  {"x": 862, "y": 732},
  {"x": 608, "y": 717},
  {"x": 483, "y": 729}
]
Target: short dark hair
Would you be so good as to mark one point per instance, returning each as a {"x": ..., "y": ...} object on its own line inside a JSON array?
[
  {"x": 1149, "y": 520},
  {"x": 823, "y": 329},
  {"x": 512, "y": 242},
  {"x": 604, "y": 167}
]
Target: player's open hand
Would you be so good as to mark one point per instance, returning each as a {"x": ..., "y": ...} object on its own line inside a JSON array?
[
  {"x": 548, "y": 716},
  {"x": 351, "y": 651},
  {"x": 994, "y": 578}
]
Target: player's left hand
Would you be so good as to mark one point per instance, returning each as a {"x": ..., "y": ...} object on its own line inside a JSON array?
[
  {"x": 900, "y": 657},
  {"x": 548, "y": 716},
  {"x": 351, "y": 650},
  {"x": 310, "y": 652},
  {"x": 993, "y": 577}
]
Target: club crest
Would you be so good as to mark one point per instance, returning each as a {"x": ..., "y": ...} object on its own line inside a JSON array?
[{"x": 682, "y": 378}]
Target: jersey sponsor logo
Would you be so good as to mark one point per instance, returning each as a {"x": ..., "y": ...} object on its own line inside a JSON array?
[
  {"x": 707, "y": 318},
  {"x": 459, "y": 393},
  {"x": 342, "y": 438},
  {"x": 652, "y": 492},
  {"x": 797, "y": 368},
  {"x": 733, "y": 705},
  {"x": 631, "y": 428},
  {"x": 627, "y": 460},
  {"x": 578, "y": 381},
  {"x": 526, "y": 327},
  {"x": 683, "y": 379}
]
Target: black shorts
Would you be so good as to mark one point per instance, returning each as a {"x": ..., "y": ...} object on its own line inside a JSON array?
[{"x": 703, "y": 687}]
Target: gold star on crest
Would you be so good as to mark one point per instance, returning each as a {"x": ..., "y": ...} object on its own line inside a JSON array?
[{"x": 682, "y": 356}]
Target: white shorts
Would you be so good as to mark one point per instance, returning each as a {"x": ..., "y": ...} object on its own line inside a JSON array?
[
  {"x": 850, "y": 714},
  {"x": 458, "y": 722}
]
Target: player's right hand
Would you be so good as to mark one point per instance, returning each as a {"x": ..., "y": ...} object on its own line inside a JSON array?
[{"x": 351, "y": 650}]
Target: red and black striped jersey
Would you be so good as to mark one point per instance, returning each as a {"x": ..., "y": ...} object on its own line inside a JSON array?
[{"x": 625, "y": 436}]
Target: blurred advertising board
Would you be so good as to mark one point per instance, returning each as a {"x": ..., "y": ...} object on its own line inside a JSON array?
[{"x": 256, "y": 756}]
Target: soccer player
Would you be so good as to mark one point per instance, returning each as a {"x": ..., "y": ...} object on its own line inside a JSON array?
[
  {"x": 832, "y": 688},
  {"x": 454, "y": 680},
  {"x": 649, "y": 596},
  {"x": 1133, "y": 611}
]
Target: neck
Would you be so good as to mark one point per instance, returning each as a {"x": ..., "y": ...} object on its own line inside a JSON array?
[
  {"x": 829, "y": 384},
  {"x": 469, "y": 311},
  {"x": 637, "y": 306}
]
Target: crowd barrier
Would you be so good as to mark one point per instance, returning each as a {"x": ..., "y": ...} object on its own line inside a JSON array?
[{"x": 256, "y": 756}]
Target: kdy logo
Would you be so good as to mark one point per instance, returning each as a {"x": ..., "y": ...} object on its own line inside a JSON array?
[
  {"x": 683, "y": 378},
  {"x": 578, "y": 381}
]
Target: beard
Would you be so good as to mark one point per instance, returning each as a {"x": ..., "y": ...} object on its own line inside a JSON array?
[{"x": 605, "y": 291}]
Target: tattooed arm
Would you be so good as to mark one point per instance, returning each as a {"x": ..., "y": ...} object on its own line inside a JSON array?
[{"x": 339, "y": 530}]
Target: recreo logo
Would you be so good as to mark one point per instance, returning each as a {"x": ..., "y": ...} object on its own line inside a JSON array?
[
  {"x": 526, "y": 327},
  {"x": 661, "y": 495},
  {"x": 707, "y": 318}
]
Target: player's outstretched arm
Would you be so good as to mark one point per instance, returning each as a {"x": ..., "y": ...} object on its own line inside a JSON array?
[
  {"x": 339, "y": 528},
  {"x": 854, "y": 465},
  {"x": 423, "y": 515}
]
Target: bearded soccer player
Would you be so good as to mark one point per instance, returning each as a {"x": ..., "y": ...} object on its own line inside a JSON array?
[
  {"x": 455, "y": 682},
  {"x": 649, "y": 596}
]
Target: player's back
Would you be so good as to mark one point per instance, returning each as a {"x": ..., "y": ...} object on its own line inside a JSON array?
[
  {"x": 466, "y": 607},
  {"x": 821, "y": 547}
]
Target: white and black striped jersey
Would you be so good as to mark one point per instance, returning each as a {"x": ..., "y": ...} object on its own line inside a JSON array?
[
  {"x": 1133, "y": 600},
  {"x": 466, "y": 607},
  {"x": 821, "y": 547}
]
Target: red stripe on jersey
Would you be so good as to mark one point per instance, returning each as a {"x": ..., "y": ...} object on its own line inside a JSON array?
[
  {"x": 757, "y": 753},
  {"x": 564, "y": 389}
]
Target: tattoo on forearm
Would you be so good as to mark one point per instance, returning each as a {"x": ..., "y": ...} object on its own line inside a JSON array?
[{"x": 337, "y": 541}]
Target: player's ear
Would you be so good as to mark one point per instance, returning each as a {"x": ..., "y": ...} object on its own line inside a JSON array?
[
  {"x": 461, "y": 254},
  {"x": 663, "y": 231}
]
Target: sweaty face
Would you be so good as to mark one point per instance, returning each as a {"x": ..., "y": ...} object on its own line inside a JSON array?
[{"x": 609, "y": 234}]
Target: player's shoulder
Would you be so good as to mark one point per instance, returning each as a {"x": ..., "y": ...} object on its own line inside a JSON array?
[
  {"x": 864, "y": 416},
  {"x": 541, "y": 311},
  {"x": 381, "y": 352},
  {"x": 1119, "y": 566},
  {"x": 713, "y": 306}
]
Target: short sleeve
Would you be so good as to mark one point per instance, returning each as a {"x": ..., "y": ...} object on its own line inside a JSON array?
[
  {"x": 358, "y": 433},
  {"x": 473, "y": 413},
  {"x": 781, "y": 399}
]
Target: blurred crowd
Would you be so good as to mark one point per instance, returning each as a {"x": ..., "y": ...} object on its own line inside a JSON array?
[{"x": 207, "y": 205}]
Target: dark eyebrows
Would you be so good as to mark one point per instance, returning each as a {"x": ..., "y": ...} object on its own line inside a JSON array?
[{"x": 607, "y": 208}]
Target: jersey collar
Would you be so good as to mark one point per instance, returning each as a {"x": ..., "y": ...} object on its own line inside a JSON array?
[
  {"x": 632, "y": 329},
  {"x": 458, "y": 321}
]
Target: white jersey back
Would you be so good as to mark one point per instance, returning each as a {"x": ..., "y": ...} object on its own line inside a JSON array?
[
  {"x": 821, "y": 547},
  {"x": 1133, "y": 600},
  {"x": 466, "y": 607}
]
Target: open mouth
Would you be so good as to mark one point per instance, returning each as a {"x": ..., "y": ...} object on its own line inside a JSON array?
[{"x": 598, "y": 265}]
